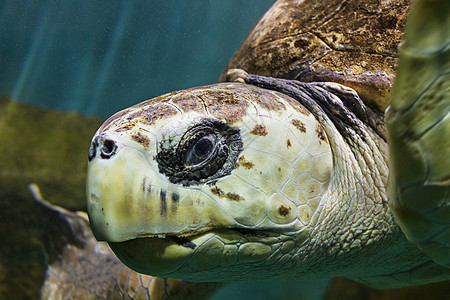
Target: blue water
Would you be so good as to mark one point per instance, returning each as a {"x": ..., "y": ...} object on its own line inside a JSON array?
[{"x": 100, "y": 56}]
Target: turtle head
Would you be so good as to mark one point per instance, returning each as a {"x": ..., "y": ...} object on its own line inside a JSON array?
[{"x": 201, "y": 184}]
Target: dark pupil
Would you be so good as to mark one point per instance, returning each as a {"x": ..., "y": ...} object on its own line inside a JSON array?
[{"x": 203, "y": 147}]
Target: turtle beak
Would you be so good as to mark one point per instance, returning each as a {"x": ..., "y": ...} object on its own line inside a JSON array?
[{"x": 128, "y": 197}]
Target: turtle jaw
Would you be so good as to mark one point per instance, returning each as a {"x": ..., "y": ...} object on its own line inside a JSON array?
[
  {"x": 152, "y": 236},
  {"x": 128, "y": 199},
  {"x": 199, "y": 257},
  {"x": 158, "y": 256}
]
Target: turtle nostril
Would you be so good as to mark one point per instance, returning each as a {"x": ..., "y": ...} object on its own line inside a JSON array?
[
  {"x": 108, "y": 148},
  {"x": 105, "y": 146}
]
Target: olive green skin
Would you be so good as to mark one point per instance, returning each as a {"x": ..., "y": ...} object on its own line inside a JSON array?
[
  {"x": 418, "y": 123},
  {"x": 356, "y": 44}
]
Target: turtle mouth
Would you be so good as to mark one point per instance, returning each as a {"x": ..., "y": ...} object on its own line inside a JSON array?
[
  {"x": 164, "y": 255},
  {"x": 186, "y": 239},
  {"x": 183, "y": 241}
]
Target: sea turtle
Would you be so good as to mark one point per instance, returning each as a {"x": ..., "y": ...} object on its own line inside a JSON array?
[{"x": 266, "y": 178}]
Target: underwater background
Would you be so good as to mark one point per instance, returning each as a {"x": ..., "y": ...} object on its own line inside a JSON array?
[
  {"x": 65, "y": 66},
  {"x": 95, "y": 58}
]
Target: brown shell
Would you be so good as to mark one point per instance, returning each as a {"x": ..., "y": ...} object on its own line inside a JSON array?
[{"x": 350, "y": 42}]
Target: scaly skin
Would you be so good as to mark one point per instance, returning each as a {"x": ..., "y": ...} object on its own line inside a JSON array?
[
  {"x": 230, "y": 182},
  {"x": 302, "y": 200},
  {"x": 274, "y": 189}
]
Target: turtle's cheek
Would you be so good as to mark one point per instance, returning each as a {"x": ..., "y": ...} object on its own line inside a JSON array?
[{"x": 104, "y": 146}]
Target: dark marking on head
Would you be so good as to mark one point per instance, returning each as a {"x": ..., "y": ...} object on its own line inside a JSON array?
[
  {"x": 259, "y": 130},
  {"x": 224, "y": 103},
  {"x": 216, "y": 191},
  {"x": 245, "y": 163},
  {"x": 126, "y": 127},
  {"x": 279, "y": 169},
  {"x": 175, "y": 198},
  {"x": 288, "y": 143},
  {"x": 141, "y": 139},
  {"x": 234, "y": 197},
  {"x": 307, "y": 215},
  {"x": 301, "y": 109},
  {"x": 312, "y": 189},
  {"x": 321, "y": 133},
  {"x": 184, "y": 241},
  {"x": 162, "y": 195},
  {"x": 146, "y": 187},
  {"x": 230, "y": 196},
  {"x": 299, "y": 125},
  {"x": 283, "y": 210}
]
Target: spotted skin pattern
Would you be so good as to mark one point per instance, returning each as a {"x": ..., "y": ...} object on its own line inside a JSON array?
[
  {"x": 282, "y": 172},
  {"x": 300, "y": 193},
  {"x": 303, "y": 198}
]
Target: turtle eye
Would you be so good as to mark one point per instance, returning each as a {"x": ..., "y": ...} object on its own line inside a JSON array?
[
  {"x": 206, "y": 151},
  {"x": 201, "y": 150}
]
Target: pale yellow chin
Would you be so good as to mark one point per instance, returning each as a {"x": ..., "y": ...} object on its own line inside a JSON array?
[
  {"x": 198, "y": 257},
  {"x": 158, "y": 256}
]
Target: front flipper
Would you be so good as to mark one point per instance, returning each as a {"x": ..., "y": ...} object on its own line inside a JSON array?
[
  {"x": 79, "y": 267},
  {"x": 418, "y": 123}
]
